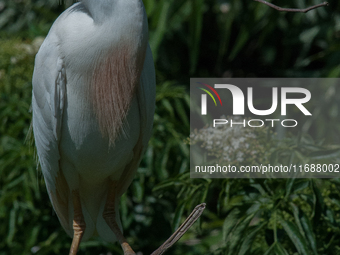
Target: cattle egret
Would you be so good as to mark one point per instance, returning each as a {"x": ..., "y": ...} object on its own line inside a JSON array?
[{"x": 93, "y": 104}]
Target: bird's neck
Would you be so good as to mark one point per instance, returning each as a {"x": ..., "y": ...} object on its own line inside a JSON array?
[
  {"x": 102, "y": 10},
  {"x": 119, "y": 41}
]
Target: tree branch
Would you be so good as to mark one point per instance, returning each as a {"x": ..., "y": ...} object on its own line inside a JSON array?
[
  {"x": 292, "y": 9},
  {"x": 196, "y": 213}
]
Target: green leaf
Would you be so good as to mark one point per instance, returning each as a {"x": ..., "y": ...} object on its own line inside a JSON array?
[
  {"x": 238, "y": 234},
  {"x": 241, "y": 40},
  {"x": 138, "y": 191},
  {"x": 230, "y": 221},
  {"x": 295, "y": 210},
  {"x": 158, "y": 34},
  {"x": 289, "y": 184},
  {"x": 318, "y": 202},
  {"x": 325, "y": 154},
  {"x": 269, "y": 251},
  {"x": 195, "y": 31},
  {"x": 12, "y": 229},
  {"x": 280, "y": 250},
  {"x": 250, "y": 237},
  {"x": 295, "y": 236},
  {"x": 307, "y": 226},
  {"x": 178, "y": 216}
]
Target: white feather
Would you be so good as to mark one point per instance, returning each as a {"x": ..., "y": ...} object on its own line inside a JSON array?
[{"x": 72, "y": 151}]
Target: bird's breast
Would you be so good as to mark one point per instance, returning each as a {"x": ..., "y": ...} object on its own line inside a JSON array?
[
  {"x": 103, "y": 65},
  {"x": 85, "y": 151},
  {"x": 113, "y": 84},
  {"x": 108, "y": 58}
]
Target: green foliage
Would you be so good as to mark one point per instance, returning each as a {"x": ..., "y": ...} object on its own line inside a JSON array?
[
  {"x": 268, "y": 215},
  {"x": 189, "y": 38}
]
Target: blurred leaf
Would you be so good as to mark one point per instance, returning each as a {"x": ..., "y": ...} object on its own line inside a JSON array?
[
  {"x": 178, "y": 216},
  {"x": 248, "y": 241},
  {"x": 280, "y": 250},
  {"x": 295, "y": 237}
]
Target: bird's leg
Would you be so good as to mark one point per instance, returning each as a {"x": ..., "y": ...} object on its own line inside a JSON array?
[
  {"x": 78, "y": 223},
  {"x": 109, "y": 216}
]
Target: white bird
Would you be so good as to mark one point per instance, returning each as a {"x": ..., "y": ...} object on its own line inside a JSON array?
[{"x": 93, "y": 104}]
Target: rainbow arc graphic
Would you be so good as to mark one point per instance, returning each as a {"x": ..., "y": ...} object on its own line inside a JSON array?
[
  {"x": 204, "y": 97},
  {"x": 209, "y": 93}
]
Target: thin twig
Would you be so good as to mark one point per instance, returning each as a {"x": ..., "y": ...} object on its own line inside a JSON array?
[
  {"x": 292, "y": 9},
  {"x": 196, "y": 213}
]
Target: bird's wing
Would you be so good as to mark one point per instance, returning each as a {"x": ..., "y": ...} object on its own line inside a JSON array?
[
  {"x": 146, "y": 102},
  {"x": 147, "y": 97},
  {"x": 48, "y": 97}
]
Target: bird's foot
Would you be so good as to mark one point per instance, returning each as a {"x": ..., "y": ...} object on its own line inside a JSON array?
[{"x": 127, "y": 249}]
